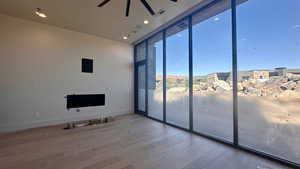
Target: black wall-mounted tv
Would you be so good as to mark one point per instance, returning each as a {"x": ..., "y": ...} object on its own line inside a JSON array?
[{"x": 86, "y": 100}]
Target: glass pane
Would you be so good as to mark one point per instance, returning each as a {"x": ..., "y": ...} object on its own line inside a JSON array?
[
  {"x": 141, "y": 87},
  {"x": 212, "y": 82},
  {"x": 177, "y": 67},
  {"x": 155, "y": 77},
  {"x": 141, "y": 52},
  {"x": 269, "y": 76}
]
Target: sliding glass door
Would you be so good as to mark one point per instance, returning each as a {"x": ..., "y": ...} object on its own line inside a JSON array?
[
  {"x": 155, "y": 76},
  {"x": 269, "y": 76},
  {"x": 177, "y": 78},
  {"x": 212, "y": 75}
]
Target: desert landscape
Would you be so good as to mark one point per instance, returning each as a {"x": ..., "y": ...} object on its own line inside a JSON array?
[{"x": 268, "y": 107}]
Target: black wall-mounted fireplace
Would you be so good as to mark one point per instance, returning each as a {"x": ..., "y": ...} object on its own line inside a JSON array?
[{"x": 86, "y": 100}]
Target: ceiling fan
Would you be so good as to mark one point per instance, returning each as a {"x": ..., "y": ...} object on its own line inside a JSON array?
[{"x": 144, "y": 2}]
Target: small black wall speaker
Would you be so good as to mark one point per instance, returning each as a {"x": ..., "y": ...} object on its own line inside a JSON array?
[{"x": 87, "y": 65}]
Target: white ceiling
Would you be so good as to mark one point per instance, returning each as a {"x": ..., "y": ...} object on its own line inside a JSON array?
[{"x": 109, "y": 21}]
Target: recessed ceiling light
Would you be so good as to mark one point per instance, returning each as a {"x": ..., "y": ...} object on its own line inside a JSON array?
[
  {"x": 39, "y": 13},
  {"x": 125, "y": 37},
  {"x": 146, "y": 22}
]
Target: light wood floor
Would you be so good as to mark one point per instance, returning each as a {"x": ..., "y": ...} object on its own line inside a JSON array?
[{"x": 130, "y": 142}]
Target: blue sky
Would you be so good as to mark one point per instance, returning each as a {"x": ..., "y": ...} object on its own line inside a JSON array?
[{"x": 268, "y": 37}]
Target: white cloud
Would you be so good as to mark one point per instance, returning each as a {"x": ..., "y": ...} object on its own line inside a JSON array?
[
  {"x": 296, "y": 26},
  {"x": 216, "y": 19}
]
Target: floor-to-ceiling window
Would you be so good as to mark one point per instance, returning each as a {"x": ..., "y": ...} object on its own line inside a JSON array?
[
  {"x": 269, "y": 76},
  {"x": 212, "y": 77},
  {"x": 140, "y": 74},
  {"x": 155, "y": 76},
  {"x": 258, "y": 109},
  {"x": 177, "y": 77}
]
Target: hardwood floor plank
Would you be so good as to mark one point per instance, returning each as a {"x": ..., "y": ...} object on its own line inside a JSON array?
[{"x": 129, "y": 142}]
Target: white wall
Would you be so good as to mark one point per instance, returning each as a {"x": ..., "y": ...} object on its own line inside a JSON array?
[{"x": 40, "y": 64}]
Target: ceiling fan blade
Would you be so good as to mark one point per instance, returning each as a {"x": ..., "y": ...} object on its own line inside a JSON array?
[
  {"x": 103, "y": 3},
  {"x": 128, "y": 7},
  {"x": 145, "y": 3},
  {"x": 173, "y": 0}
]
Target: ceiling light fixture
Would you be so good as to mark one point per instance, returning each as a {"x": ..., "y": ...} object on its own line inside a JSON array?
[
  {"x": 125, "y": 37},
  {"x": 39, "y": 13},
  {"x": 146, "y": 22}
]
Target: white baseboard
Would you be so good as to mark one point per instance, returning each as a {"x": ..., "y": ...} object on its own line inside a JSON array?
[{"x": 4, "y": 128}]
